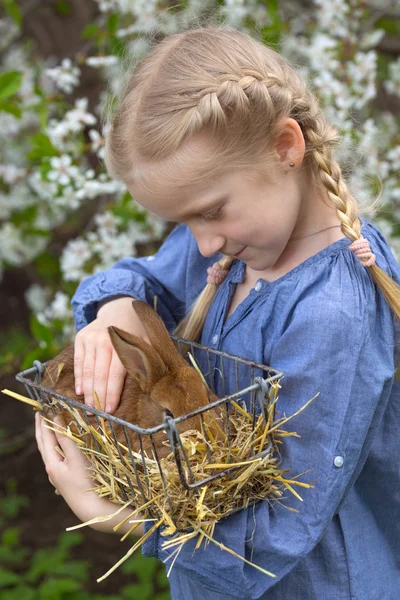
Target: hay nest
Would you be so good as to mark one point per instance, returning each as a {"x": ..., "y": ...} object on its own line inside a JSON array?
[{"x": 248, "y": 461}]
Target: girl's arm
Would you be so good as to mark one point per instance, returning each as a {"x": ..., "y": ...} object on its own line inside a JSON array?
[
  {"x": 175, "y": 276},
  {"x": 70, "y": 477}
]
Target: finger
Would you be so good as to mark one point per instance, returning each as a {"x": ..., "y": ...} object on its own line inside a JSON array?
[
  {"x": 116, "y": 380},
  {"x": 88, "y": 373},
  {"x": 38, "y": 433},
  {"x": 68, "y": 446},
  {"x": 101, "y": 372},
  {"x": 79, "y": 352},
  {"x": 49, "y": 443}
]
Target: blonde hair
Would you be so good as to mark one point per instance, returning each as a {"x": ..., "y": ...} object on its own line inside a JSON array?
[{"x": 221, "y": 80}]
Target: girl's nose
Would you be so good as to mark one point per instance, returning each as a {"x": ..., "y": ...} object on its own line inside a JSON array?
[{"x": 208, "y": 243}]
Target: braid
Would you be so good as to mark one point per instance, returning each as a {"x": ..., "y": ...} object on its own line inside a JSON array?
[
  {"x": 330, "y": 174},
  {"x": 191, "y": 326}
]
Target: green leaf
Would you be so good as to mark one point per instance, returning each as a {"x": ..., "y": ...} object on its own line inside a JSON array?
[
  {"x": 47, "y": 266},
  {"x": 8, "y": 578},
  {"x": 36, "y": 354},
  {"x": 68, "y": 539},
  {"x": 11, "y": 504},
  {"x": 45, "y": 561},
  {"x": 42, "y": 146},
  {"x": 112, "y": 23},
  {"x": 89, "y": 31},
  {"x": 58, "y": 589},
  {"x": 63, "y": 8},
  {"x": 11, "y": 537},
  {"x": 390, "y": 24},
  {"x": 12, "y": 108},
  {"x": 22, "y": 592},
  {"x": 10, "y": 83},
  {"x": 13, "y": 11},
  {"x": 40, "y": 331},
  {"x": 117, "y": 46}
]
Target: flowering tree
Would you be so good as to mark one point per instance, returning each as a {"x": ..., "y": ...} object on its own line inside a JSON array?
[{"x": 51, "y": 145}]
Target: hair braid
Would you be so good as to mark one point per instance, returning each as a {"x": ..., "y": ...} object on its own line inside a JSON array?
[
  {"x": 191, "y": 326},
  {"x": 346, "y": 206}
]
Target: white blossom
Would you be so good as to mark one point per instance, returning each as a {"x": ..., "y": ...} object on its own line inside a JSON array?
[
  {"x": 101, "y": 61},
  {"x": 37, "y": 297},
  {"x": 91, "y": 189},
  {"x": 66, "y": 77},
  {"x": 73, "y": 259},
  {"x": 392, "y": 84},
  {"x": 394, "y": 157},
  {"x": 63, "y": 171},
  {"x": 97, "y": 144},
  {"x": 60, "y": 308},
  {"x": 11, "y": 173},
  {"x": 15, "y": 249}
]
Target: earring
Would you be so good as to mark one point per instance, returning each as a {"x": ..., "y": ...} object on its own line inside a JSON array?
[{"x": 291, "y": 164}]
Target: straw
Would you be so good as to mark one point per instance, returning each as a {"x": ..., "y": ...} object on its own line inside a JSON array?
[{"x": 241, "y": 476}]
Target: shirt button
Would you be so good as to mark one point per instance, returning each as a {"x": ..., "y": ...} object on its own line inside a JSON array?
[
  {"x": 258, "y": 286},
  {"x": 338, "y": 462},
  {"x": 214, "y": 339}
]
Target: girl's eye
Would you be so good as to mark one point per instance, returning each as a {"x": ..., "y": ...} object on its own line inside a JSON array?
[{"x": 213, "y": 216}]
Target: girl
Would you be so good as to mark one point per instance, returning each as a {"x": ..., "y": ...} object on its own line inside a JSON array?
[{"x": 218, "y": 133}]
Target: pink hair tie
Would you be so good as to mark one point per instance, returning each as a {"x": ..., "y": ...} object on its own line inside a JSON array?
[
  {"x": 362, "y": 250},
  {"x": 216, "y": 274}
]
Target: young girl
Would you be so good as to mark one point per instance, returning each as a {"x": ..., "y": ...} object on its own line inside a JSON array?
[{"x": 218, "y": 133}]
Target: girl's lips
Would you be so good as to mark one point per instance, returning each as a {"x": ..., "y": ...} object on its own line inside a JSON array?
[{"x": 239, "y": 253}]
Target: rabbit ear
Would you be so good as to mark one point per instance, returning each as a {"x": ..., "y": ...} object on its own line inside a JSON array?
[
  {"x": 158, "y": 335},
  {"x": 140, "y": 360}
]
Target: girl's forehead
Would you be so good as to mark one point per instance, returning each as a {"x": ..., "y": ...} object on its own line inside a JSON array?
[
  {"x": 177, "y": 178},
  {"x": 170, "y": 200}
]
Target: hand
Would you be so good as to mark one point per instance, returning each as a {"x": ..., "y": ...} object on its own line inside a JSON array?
[
  {"x": 96, "y": 364},
  {"x": 71, "y": 479}
]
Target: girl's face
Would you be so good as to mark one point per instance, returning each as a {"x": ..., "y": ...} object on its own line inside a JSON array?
[{"x": 235, "y": 214}]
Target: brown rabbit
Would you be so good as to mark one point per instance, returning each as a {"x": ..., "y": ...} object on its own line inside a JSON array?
[{"x": 163, "y": 383}]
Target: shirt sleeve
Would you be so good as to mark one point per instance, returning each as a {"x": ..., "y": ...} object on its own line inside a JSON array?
[
  {"x": 176, "y": 274},
  {"x": 344, "y": 351}
]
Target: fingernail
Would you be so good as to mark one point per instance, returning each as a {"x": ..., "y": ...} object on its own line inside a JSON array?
[
  {"x": 108, "y": 408},
  {"x": 78, "y": 390}
]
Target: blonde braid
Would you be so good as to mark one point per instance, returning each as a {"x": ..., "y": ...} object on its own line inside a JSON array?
[
  {"x": 346, "y": 206},
  {"x": 191, "y": 326}
]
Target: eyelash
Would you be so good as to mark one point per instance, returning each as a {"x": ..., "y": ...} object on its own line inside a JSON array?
[{"x": 213, "y": 216}]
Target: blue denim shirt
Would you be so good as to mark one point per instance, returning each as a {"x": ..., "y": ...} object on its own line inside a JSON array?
[{"x": 328, "y": 328}]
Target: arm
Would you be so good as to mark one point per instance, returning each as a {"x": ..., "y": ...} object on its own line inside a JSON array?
[
  {"x": 105, "y": 299},
  {"x": 176, "y": 274},
  {"x": 354, "y": 383}
]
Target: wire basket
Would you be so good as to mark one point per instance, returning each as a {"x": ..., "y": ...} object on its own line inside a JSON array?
[{"x": 229, "y": 377}]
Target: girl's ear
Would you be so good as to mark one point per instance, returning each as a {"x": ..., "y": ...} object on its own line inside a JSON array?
[
  {"x": 142, "y": 362},
  {"x": 158, "y": 335}
]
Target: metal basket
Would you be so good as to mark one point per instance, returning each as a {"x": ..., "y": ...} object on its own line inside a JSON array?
[{"x": 229, "y": 377}]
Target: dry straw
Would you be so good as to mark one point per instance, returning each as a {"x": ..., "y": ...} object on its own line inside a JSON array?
[{"x": 186, "y": 513}]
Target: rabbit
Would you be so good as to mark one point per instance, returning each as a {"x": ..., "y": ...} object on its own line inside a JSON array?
[{"x": 163, "y": 384}]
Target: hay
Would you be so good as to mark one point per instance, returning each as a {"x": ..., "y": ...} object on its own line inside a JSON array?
[{"x": 243, "y": 477}]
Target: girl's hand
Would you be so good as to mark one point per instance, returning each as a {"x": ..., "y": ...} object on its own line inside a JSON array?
[
  {"x": 71, "y": 479},
  {"x": 96, "y": 364}
]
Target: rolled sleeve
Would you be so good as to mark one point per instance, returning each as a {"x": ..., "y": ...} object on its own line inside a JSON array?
[
  {"x": 175, "y": 275},
  {"x": 322, "y": 348}
]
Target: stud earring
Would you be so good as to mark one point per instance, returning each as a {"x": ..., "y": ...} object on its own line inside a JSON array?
[{"x": 291, "y": 164}]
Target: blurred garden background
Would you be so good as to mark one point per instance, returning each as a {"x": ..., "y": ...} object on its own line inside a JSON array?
[{"x": 62, "y": 217}]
